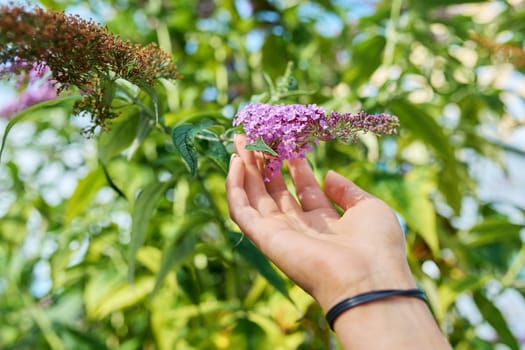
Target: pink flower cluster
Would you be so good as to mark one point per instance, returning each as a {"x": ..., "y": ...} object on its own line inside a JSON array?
[
  {"x": 34, "y": 79},
  {"x": 292, "y": 130}
]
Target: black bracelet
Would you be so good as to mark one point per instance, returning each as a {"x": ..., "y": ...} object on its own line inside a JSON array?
[{"x": 359, "y": 299}]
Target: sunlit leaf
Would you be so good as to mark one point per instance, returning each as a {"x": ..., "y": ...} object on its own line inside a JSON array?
[
  {"x": 28, "y": 114},
  {"x": 110, "y": 181},
  {"x": 416, "y": 120},
  {"x": 410, "y": 197},
  {"x": 440, "y": 3},
  {"x": 143, "y": 209},
  {"x": 81, "y": 336},
  {"x": 493, "y": 231},
  {"x": 451, "y": 289},
  {"x": 174, "y": 253},
  {"x": 118, "y": 138},
  {"x": 367, "y": 56},
  {"x": 98, "y": 287},
  {"x": 248, "y": 334},
  {"x": 144, "y": 128},
  {"x": 250, "y": 253},
  {"x": 152, "y": 93},
  {"x": 85, "y": 192},
  {"x": 494, "y": 317},
  {"x": 108, "y": 89},
  {"x": 124, "y": 295},
  {"x": 149, "y": 257}
]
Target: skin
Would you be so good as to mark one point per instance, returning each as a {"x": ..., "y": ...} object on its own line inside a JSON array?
[{"x": 333, "y": 256}]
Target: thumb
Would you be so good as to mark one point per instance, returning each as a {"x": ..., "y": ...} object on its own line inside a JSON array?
[{"x": 342, "y": 191}]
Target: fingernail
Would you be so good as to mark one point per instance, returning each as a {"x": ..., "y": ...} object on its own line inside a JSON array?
[{"x": 233, "y": 156}]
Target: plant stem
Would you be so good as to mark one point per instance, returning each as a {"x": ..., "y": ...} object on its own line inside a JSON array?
[{"x": 391, "y": 33}]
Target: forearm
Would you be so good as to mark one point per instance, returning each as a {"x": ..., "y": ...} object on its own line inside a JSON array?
[{"x": 393, "y": 323}]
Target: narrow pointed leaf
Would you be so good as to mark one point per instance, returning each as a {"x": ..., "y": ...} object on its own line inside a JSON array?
[
  {"x": 175, "y": 253},
  {"x": 494, "y": 317},
  {"x": 27, "y": 114},
  {"x": 216, "y": 152},
  {"x": 144, "y": 128},
  {"x": 422, "y": 125},
  {"x": 183, "y": 138},
  {"x": 150, "y": 90},
  {"x": 110, "y": 181},
  {"x": 250, "y": 253},
  {"x": 180, "y": 247},
  {"x": 123, "y": 131},
  {"x": 260, "y": 145},
  {"x": 145, "y": 205},
  {"x": 84, "y": 194}
]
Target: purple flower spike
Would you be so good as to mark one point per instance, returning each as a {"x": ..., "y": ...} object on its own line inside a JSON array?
[
  {"x": 36, "y": 83},
  {"x": 292, "y": 130}
]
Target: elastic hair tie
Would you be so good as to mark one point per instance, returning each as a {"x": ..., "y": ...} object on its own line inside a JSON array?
[{"x": 367, "y": 297}]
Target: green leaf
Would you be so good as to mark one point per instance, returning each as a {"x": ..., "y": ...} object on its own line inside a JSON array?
[
  {"x": 144, "y": 128},
  {"x": 248, "y": 335},
  {"x": 124, "y": 295},
  {"x": 81, "y": 336},
  {"x": 494, "y": 317},
  {"x": 175, "y": 253},
  {"x": 204, "y": 117},
  {"x": 260, "y": 145},
  {"x": 424, "y": 127},
  {"x": 366, "y": 57},
  {"x": 110, "y": 181},
  {"x": 442, "y": 3},
  {"x": 187, "y": 281},
  {"x": 217, "y": 153},
  {"x": 120, "y": 137},
  {"x": 84, "y": 194},
  {"x": 253, "y": 255},
  {"x": 451, "y": 289},
  {"x": 145, "y": 205},
  {"x": 493, "y": 231},
  {"x": 152, "y": 93},
  {"x": 421, "y": 215},
  {"x": 183, "y": 138},
  {"x": 108, "y": 88},
  {"x": 410, "y": 196},
  {"x": 287, "y": 81},
  {"x": 180, "y": 247},
  {"x": 27, "y": 114}
]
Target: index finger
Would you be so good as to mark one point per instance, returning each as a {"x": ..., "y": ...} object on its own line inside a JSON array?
[{"x": 307, "y": 188}]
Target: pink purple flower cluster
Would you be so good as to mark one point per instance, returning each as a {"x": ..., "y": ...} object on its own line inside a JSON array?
[
  {"x": 292, "y": 130},
  {"x": 35, "y": 82}
]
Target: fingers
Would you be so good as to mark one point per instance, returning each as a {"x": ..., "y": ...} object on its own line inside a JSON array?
[
  {"x": 274, "y": 242},
  {"x": 254, "y": 185},
  {"x": 283, "y": 198},
  {"x": 272, "y": 237},
  {"x": 307, "y": 188},
  {"x": 240, "y": 147},
  {"x": 239, "y": 205},
  {"x": 342, "y": 191}
]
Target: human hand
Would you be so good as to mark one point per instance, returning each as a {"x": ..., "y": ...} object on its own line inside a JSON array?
[{"x": 330, "y": 256}]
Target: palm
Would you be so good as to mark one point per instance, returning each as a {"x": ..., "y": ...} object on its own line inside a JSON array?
[{"x": 307, "y": 234}]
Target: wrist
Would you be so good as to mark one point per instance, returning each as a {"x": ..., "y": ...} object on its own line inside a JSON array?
[
  {"x": 370, "y": 297},
  {"x": 392, "y": 323},
  {"x": 369, "y": 280}
]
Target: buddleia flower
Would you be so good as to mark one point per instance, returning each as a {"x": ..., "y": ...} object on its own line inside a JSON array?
[
  {"x": 291, "y": 130},
  {"x": 80, "y": 54}
]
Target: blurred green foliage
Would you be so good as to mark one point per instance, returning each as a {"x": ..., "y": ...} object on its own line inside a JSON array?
[{"x": 142, "y": 254}]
